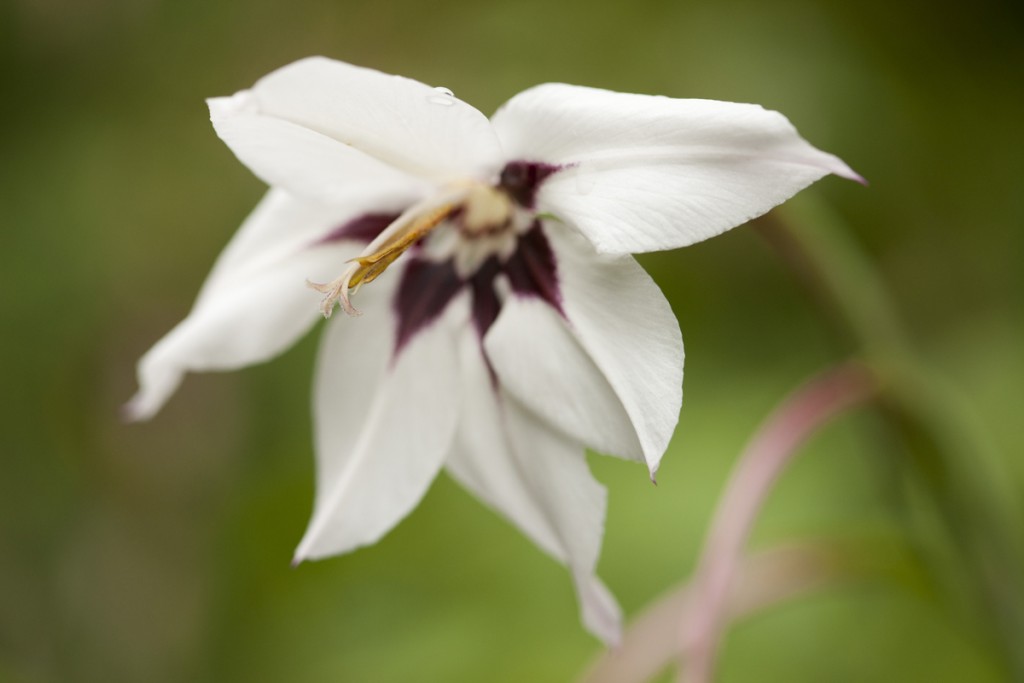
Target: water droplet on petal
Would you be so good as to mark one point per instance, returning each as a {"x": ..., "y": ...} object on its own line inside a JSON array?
[{"x": 442, "y": 96}]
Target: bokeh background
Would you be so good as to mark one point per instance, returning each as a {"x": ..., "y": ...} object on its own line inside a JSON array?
[{"x": 160, "y": 552}]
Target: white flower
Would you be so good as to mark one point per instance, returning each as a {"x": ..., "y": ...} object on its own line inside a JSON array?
[{"x": 515, "y": 330}]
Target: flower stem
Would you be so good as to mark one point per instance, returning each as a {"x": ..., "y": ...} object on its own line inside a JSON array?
[
  {"x": 762, "y": 579},
  {"x": 947, "y": 459},
  {"x": 774, "y": 445}
]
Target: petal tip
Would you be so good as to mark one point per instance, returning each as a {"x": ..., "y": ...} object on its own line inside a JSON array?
[
  {"x": 240, "y": 103},
  {"x": 303, "y": 551},
  {"x": 653, "y": 464},
  {"x": 600, "y": 612},
  {"x": 842, "y": 169},
  {"x": 850, "y": 174},
  {"x": 858, "y": 178},
  {"x": 137, "y": 409},
  {"x": 130, "y": 413}
]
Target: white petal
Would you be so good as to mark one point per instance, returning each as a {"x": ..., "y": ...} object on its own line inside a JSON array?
[
  {"x": 254, "y": 303},
  {"x": 538, "y": 479},
  {"x": 393, "y": 121},
  {"x": 306, "y": 162},
  {"x": 383, "y": 424},
  {"x": 648, "y": 173},
  {"x": 622, "y": 322},
  {"x": 540, "y": 362}
]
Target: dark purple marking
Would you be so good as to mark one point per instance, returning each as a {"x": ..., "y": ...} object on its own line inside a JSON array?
[
  {"x": 424, "y": 292},
  {"x": 532, "y": 270},
  {"x": 485, "y": 300},
  {"x": 363, "y": 228},
  {"x": 427, "y": 287},
  {"x": 522, "y": 178}
]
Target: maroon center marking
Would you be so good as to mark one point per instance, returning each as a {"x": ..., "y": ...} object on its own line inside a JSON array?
[
  {"x": 532, "y": 270},
  {"x": 522, "y": 178},
  {"x": 364, "y": 228},
  {"x": 485, "y": 300},
  {"x": 427, "y": 287}
]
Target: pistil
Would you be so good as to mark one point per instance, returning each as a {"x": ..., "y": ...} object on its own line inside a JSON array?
[
  {"x": 482, "y": 210},
  {"x": 414, "y": 224}
]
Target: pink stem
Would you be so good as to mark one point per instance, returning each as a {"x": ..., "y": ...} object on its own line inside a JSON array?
[
  {"x": 761, "y": 463},
  {"x": 764, "y": 578}
]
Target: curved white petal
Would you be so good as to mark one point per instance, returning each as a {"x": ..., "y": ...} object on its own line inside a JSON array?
[
  {"x": 624, "y": 396},
  {"x": 306, "y": 162},
  {"x": 254, "y": 304},
  {"x": 538, "y": 479},
  {"x": 284, "y": 126},
  {"x": 383, "y": 423},
  {"x": 645, "y": 173},
  {"x": 540, "y": 362}
]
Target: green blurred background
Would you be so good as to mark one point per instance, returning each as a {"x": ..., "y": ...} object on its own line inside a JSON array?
[{"x": 160, "y": 552}]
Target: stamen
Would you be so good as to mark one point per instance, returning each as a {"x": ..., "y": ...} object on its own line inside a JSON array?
[
  {"x": 413, "y": 225},
  {"x": 333, "y": 290}
]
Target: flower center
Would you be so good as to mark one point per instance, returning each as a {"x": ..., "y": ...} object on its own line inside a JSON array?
[
  {"x": 428, "y": 284},
  {"x": 483, "y": 221},
  {"x": 487, "y": 210},
  {"x": 481, "y": 213}
]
